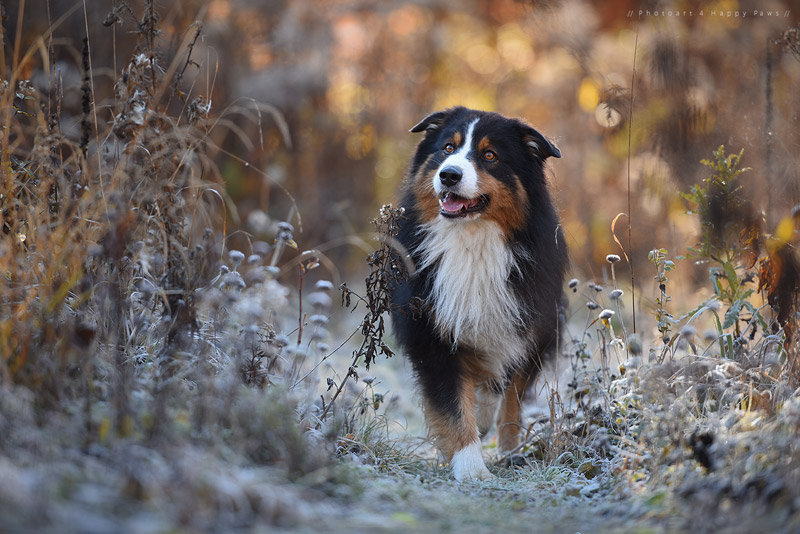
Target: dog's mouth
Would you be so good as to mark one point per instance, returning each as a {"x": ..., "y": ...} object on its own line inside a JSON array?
[{"x": 454, "y": 206}]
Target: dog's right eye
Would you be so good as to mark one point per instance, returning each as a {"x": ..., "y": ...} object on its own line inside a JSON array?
[{"x": 449, "y": 148}]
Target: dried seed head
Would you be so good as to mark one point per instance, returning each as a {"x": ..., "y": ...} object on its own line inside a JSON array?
[
  {"x": 320, "y": 300},
  {"x": 254, "y": 259},
  {"x": 688, "y": 331},
  {"x": 616, "y": 294},
  {"x": 236, "y": 257},
  {"x": 232, "y": 280},
  {"x": 319, "y": 334},
  {"x": 612, "y": 258},
  {"x": 145, "y": 287},
  {"x": 573, "y": 284},
  {"x": 323, "y": 285},
  {"x": 634, "y": 345},
  {"x": 318, "y": 319},
  {"x": 256, "y": 276},
  {"x": 710, "y": 335},
  {"x": 606, "y": 314},
  {"x": 592, "y": 305}
]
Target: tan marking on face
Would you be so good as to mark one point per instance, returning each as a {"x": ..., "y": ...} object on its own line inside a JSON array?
[
  {"x": 457, "y": 139},
  {"x": 506, "y": 210},
  {"x": 426, "y": 199},
  {"x": 509, "y": 422},
  {"x": 484, "y": 144}
]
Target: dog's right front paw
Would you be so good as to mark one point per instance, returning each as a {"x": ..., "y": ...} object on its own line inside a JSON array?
[{"x": 468, "y": 464}]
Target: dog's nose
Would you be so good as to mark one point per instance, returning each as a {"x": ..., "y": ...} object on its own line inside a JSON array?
[{"x": 450, "y": 176}]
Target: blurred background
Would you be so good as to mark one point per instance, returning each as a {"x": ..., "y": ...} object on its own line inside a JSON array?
[
  {"x": 347, "y": 79},
  {"x": 156, "y": 157}
]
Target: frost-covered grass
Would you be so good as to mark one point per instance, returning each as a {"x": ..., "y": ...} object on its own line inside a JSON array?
[
  {"x": 683, "y": 431},
  {"x": 154, "y": 379}
]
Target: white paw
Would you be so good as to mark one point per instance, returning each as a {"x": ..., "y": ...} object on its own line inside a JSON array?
[{"x": 468, "y": 464}]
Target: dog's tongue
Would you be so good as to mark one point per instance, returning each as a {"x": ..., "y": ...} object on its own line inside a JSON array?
[{"x": 454, "y": 203}]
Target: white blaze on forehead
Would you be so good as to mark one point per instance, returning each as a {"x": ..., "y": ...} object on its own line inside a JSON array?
[{"x": 468, "y": 186}]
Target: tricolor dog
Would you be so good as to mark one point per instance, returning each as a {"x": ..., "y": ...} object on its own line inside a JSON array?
[{"x": 481, "y": 311}]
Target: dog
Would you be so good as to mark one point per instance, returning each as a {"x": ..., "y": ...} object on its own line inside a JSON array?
[{"x": 480, "y": 313}]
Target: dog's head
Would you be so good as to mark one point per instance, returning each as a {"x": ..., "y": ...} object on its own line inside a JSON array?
[{"x": 474, "y": 164}]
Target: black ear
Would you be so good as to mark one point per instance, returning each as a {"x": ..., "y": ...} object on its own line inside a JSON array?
[
  {"x": 540, "y": 144},
  {"x": 431, "y": 122}
]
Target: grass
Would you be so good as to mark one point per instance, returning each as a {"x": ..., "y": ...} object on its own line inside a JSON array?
[{"x": 154, "y": 379}]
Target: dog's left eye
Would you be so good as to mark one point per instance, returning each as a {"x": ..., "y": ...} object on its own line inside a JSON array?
[
  {"x": 449, "y": 148},
  {"x": 488, "y": 155}
]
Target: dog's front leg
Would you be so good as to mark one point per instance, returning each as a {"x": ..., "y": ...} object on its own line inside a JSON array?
[
  {"x": 486, "y": 404},
  {"x": 450, "y": 415},
  {"x": 509, "y": 423}
]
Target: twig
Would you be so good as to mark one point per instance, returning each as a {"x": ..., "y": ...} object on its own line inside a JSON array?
[
  {"x": 300, "y": 318},
  {"x": 630, "y": 215},
  {"x": 189, "y": 61},
  {"x": 768, "y": 142},
  {"x": 86, "y": 101},
  {"x": 350, "y": 372},
  {"x": 94, "y": 112},
  {"x": 324, "y": 358},
  {"x": 513, "y": 451}
]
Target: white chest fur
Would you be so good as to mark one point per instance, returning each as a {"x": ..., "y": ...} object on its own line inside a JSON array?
[{"x": 472, "y": 302}]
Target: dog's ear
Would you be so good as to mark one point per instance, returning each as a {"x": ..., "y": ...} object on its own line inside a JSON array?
[
  {"x": 431, "y": 122},
  {"x": 541, "y": 146}
]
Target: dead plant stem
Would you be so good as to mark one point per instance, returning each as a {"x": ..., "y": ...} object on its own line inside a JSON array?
[{"x": 630, "y": 214}]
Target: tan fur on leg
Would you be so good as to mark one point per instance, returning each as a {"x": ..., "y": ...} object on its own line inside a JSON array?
[
  {"x": 457, "y": 436},
  {"x": 452, "y": 433},
  {"x": 509, "y": 423}
]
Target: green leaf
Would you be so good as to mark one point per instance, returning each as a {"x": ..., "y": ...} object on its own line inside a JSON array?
[
  {"x": 729, "y": 342},
  {"x": 732, "y": 314},
  {"x": 730, "y": 274},
  {"x": 717, "y": 286},
  {"x": 720, "y": 334},
  {"x": 753, "y": 310}
]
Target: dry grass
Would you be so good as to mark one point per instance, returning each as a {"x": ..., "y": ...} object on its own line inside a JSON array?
[
  {"x": 143, "y": 375},
  {"x": 152, "y": 378}
]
